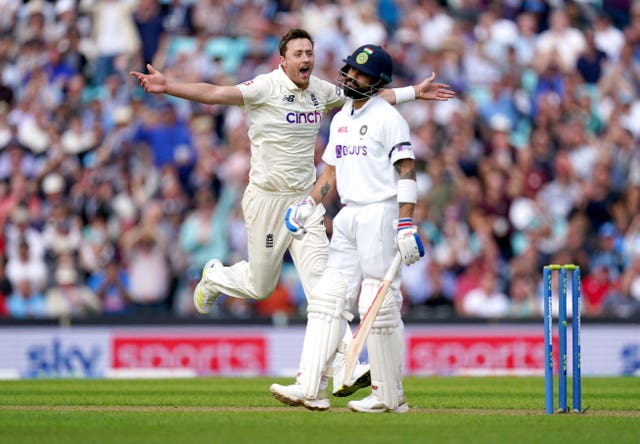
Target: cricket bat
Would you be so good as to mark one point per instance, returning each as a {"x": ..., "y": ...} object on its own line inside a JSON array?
[{"x": 362, "y": 332}]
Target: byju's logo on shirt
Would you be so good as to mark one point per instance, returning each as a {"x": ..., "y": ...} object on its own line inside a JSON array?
[
  {"x": 350, "y": 150},
  {"x": 298, "y": 118}
]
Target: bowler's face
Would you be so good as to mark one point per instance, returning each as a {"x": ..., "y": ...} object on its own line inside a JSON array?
[{"x": 298, "y": 61}]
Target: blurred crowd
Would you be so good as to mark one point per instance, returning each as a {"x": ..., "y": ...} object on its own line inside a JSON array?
[{"x": 111, "y": 200}]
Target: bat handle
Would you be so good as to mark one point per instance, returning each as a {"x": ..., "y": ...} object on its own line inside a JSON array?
[{"x": 393, "y": 269}]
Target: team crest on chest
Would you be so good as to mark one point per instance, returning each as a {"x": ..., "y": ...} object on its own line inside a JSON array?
[{"x": 363, "y": 130}]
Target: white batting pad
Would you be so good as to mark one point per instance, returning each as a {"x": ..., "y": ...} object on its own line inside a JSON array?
[
  {"x": 385, "y": 344},
  {"x": 339, "y": 360},
  {"x": 326, "y": 325}
]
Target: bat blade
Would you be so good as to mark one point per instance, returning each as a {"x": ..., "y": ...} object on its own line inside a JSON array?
[{"x": 354, "y": 349}]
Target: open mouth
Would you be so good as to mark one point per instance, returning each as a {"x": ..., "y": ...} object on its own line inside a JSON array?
[{"x": 304, "y": 70}]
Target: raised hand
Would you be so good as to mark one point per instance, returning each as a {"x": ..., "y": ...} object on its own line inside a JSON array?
[
  {"x": 154, "y": 82},
  {"x": 427, "y": 90}
]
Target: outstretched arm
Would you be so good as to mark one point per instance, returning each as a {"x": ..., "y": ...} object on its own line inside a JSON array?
[
  {"x": 155, "y": 83},
  {"x": 425, "y": 90}
]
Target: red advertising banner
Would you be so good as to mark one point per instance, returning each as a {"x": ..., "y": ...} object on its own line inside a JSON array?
[
  {"x": 205, "y": 355},
  {"x": 477, "y": 353}
]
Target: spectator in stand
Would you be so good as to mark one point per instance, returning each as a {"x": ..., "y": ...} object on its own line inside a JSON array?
[
  {"x": 525, "y": 41},
  {"x": 438, "y": 292},
  {"x": 599, "y": 194},
  {"x": 625, "y": 303},
  {"x": 25, "y": 303},
  {"x": 75, "y": 53},
  {"x": 608, "y": 251},
  {"x": 27, "y": 266},
  {"x": 561, "y": 43},
  {"x": 178, "y": 17},
  {"x": 146, "y": 256},
  {"x": 169, "y": 138},
  {"x": 111, "y": 286},
  {"x": 597, "y": 286},
  {"x": 591, "y": 61},
  {"x": 607, "y": 37},
  {"x": 622, "y": 75},
  {"x": 495, "y": 205},
  {"x": 204, "y": 232},
  {"x": 563, "y": 193},
  {"x": 114, "y": 35},
  {"x": 62, "y": 232},
  {"x": 69, "y": 297},
  {"x": 149, "y": 20},
  {"x": 523, "y": 302},
  {"x": 487, "y": 300},
  {"x": 499, "y": 149}
]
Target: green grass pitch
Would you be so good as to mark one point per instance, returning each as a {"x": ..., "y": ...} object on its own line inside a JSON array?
[{"x": 241, "y": 410}]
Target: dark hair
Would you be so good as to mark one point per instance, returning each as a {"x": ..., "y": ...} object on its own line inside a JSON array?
[{"x": 293, "y": 34}]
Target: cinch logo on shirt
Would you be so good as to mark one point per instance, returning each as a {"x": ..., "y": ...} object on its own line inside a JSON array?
[
  {"x": 350, "y": 150},
  {"x": 305, "y": 118}
]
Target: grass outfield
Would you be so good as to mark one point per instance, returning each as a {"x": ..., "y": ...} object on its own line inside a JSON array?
[{"x": 240, "y": 410}]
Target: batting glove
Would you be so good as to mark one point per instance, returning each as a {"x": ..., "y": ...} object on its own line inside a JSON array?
[
  {"x": 408, "y": 241},
  {"x": 297, "y": 215}
]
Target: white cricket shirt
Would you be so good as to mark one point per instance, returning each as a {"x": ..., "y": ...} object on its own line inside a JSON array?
[
  {"x": 363, "y": 146},
  {"x": 283, "y": 124}
]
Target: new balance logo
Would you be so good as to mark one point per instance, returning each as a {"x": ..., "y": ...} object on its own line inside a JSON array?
[
  {"x": 269, "y": 242},
  {"x": 289, "y": 98}
]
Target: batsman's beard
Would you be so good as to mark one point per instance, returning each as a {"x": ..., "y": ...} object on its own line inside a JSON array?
[{"x": 352, "y": 89}]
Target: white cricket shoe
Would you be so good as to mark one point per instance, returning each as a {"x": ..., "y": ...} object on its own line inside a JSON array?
[
  {"x": 202, "y": 298},
  {"x": 293, "y": 395},
  {"x": 361, "y": 378},
  {"x": 373, "y": 404}
]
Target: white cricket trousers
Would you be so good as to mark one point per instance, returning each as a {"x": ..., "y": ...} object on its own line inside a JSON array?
[
  {"x": 363, "y": 245},
  {"x": 268, "y": 239}
]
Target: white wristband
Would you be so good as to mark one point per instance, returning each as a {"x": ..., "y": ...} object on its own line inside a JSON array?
[
  {"x": 407, "y": 191},
  {"x": 405, "y": 94}
]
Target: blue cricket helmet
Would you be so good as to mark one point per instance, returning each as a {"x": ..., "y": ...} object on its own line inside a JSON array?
[{"x": 372, "y": 60}]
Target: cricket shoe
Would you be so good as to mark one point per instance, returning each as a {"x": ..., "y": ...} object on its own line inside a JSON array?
[
  {"x": 361, "y": 379},
  {"x": 293, "y": 395},
  {"x": 204, "y": 299},
  {"x": 373, "y": 404}
]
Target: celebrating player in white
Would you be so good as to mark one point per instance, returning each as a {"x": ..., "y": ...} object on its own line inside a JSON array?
[{"x": 369, "y": 158}]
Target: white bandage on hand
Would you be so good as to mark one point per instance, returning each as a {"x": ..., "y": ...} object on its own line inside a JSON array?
[
  {"x": 408, "y": 241},
  {"x": 297, "y": 215}
]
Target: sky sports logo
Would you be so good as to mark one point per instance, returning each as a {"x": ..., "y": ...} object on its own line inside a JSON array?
[
  {"x": 350, "y": 150},
  {"x": 297, "y": 118}
]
